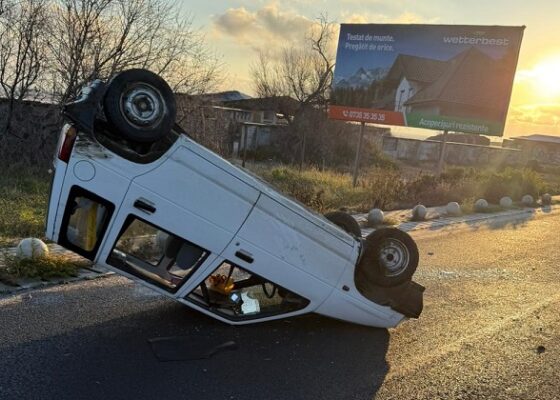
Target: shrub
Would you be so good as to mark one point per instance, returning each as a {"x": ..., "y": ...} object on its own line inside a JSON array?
[
  {"x": 386, "y": 188},
  {"x": 453, "y": 174},
  {"x": 376, "y": 158},
  {"x": 513, "y": 183}
]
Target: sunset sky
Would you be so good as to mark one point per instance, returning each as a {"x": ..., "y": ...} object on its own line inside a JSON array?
[{"x": 236, "y": 29}]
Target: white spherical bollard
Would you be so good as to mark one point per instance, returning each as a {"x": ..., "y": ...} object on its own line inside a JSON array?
[
  {"x": 546, "y": 199},
  {"x": 453, "y": 208},
  {"x": 506, "y": 202},
  {"x": 31, "y": 248},
  {"x": 527, "y": 200},
  {"x": 419, "y": 213},
  {"x": 375, "y": 217},
  {"x": 481, "y": 205}
]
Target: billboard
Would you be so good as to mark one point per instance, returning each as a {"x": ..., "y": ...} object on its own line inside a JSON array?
[{"x": 444, "y": 77}]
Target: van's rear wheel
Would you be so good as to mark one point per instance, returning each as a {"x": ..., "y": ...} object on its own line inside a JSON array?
[
  {"x": 139, "y": 106},
  {"x": 345, "y": 221},
  {"x": 390, "y": 257}
]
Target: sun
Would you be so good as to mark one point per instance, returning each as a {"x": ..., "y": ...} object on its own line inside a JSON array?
[{"x": 546, "y": 77}]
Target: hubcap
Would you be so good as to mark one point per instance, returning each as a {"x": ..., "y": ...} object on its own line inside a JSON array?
[
  {"x": 142, "y": 105},
  {"x": 394, "y": 257}
]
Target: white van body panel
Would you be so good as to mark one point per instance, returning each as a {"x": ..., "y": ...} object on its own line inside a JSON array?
[
  {"x": 202, "y": 189},
  {"x": 265, "y": 188},
  {"x": 87, "y": 148},
  {"x": 280, "y": 231},
  {"x": 204, "y": 199}
]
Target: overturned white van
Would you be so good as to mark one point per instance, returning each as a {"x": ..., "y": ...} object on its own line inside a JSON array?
[{"x": 132, "y": 192}]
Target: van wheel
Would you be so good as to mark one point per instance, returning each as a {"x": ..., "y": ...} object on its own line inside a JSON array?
[
  {"x": 390, "y": 257},
  {"x": 139, "y": 106},
  {"x": 346, "y": 222}
]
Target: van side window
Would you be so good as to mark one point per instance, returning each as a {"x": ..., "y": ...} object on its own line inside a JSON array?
[
  {"x": 160, "y": 257},
  {"x": 238, "y": 294},
  {"x": 85, "y": 221}
]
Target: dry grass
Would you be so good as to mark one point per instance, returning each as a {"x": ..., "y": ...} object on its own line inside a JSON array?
[
  {"x": 23, "y": 205},
  {"x": 390, "y": 221},
  {"x": 468, "y": 207},
  {"x": 328, "y": 190},
  {"x": 44, "y": 268}
]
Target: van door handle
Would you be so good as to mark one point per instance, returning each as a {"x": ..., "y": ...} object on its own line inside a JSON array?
[
  {"x": 243, "y": 255},
  {"x": 144, "y": 206}
]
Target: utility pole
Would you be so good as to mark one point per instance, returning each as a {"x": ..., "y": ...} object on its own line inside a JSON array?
[
  {"x": 358, "y": 153},
  {"x": 441, "y": 162}
]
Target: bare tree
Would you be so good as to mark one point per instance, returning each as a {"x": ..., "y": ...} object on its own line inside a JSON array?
[
  {"x": 304, "y": 73},
  {"x": 22, "y": 52},
  {"x": 97, "y": 38},
  {"x": 52, "y": 47}
]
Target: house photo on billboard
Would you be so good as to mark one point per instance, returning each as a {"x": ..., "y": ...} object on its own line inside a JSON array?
[{"x": 427, "y": 76}]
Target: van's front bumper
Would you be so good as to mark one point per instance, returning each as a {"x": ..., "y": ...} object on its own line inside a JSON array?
[{"x": 406, "y": 298}]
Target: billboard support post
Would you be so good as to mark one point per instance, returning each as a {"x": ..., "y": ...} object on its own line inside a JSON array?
[
  {"x": 358, "y": 153},
  {"x": 441, "y": 162}
]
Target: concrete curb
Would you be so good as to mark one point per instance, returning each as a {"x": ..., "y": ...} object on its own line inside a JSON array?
[{"x": 437, "y": 220}]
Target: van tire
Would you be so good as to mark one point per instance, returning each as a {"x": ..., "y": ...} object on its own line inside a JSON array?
[
  {"x": 390, "y": 258},
  {"x": 346, "y": 222},
  {"x": 139, "y": 106}
]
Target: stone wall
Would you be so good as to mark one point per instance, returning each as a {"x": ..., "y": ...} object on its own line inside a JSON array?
[
  {"x": 35, "y": 131},
  {"x": 545, "y": 153},
  {"x": 414, "y": 150}
]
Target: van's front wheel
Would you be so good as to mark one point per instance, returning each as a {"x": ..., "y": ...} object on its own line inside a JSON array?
[
  {"x": 139, "y": 105},
  {"x": 390, "y": 257}
]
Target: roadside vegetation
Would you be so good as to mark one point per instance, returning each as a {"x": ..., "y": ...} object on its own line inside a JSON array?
[
  {"x": 390, "y": 188},
  {"x": 24, "y": 197},
  {"x": 23, "y": 204},
  {"x": 44, "y": 268}
]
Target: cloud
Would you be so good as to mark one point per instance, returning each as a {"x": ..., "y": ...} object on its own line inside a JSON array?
[
  {"x": 266, "y": 24},
  {"x": 235, "y": 21},
  {"x": 536, "y": 114}
]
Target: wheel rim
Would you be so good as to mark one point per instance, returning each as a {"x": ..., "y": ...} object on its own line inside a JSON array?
[
  {"x": 394, "y": 257},
  {"x": 142, "y": 105}
]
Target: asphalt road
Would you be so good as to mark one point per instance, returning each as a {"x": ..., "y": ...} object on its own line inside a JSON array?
[{"x": 490, "y": 329}]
